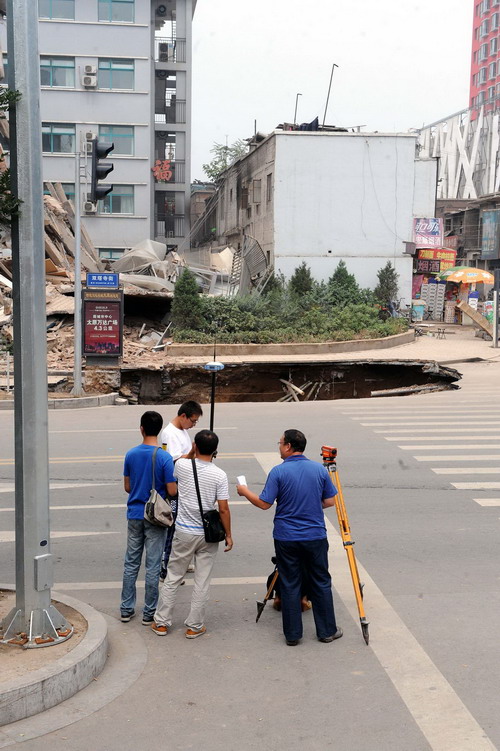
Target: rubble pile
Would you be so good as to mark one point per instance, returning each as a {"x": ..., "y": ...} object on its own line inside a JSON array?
[{"x": 147, "y": 273}]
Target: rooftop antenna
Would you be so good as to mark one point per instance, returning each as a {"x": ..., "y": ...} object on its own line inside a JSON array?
[{"x": 329, "y": 89}]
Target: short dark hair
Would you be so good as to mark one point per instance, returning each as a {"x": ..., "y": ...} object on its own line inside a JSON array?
[
  {"x": 189, "y": 409},
  {"x": 206, "y": 442},
  {"x": 152, "y": 422},
  {"x": 296, "y": 439}
]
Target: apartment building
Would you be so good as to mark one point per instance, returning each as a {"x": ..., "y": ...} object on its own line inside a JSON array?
[
  {"x": 485, "y": 58},
  {"x": 120, "y": 69}
]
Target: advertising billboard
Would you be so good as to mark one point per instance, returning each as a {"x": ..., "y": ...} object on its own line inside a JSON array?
[
  {"x": 428, "y": 232},
  {"x": 102, "y": 323},
  {"x": 489, "y": 245}
]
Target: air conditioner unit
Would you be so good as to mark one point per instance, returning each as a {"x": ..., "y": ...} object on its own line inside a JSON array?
[
  {"x": 88, "y": 147},
  {"x": 161, "y": 133},
  {"x": 90, "y": 70},
  {"x": 89, "y": 82},
  {"x": 89, "y": 207},
  {"x": 89, "y": 136},
  {"x": 166, "y": 50},
  {"x": 161, "y": 10},
  {"x": 161, "y": 74}
]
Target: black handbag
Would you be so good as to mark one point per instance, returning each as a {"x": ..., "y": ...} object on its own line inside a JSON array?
[{"x": 212, "y": 525}]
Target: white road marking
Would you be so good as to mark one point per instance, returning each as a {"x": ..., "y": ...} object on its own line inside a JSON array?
[
  {"x": 268, "y": 460},
  {"x": 466, "y": 470},
  {"x": 10, "y": 487},
  {"x": 229, "y": 581},
  {"x": 423, "y": 413},
  {"x": 487, "y": 501},
  {"x": 10, "y": 536},
  {"x": 484, "y": 420},
  {"x": 440, "y": 714},
  {"x": 444, "y": 437},
  {"x": 439, "y": 430},
  {"x": 113, "y": 430},
  {"x": 476, "y": 485},
  {"x": 458, "y": 447},
  {"x": 455, "y": 458},
  {"x": 122, "y": 506}
]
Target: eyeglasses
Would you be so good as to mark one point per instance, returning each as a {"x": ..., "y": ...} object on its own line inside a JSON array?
[
  {"x": 193, "y": 420},
  {"x": 283, "y": 443}
]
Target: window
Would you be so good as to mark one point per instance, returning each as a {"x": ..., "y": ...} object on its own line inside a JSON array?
[
  {"x": 69, "y": 189},
  {"x": 494, "y": 21},
  {"x": 480, "y": 98},
  {"x": 112, "y": 254},
  {"x": 116, "y": 10},
  {"x": 494, "y": 45},
  {"x": 56, "y": 9},
  {"x": 257, "y": 190},
  {"x": 57, "y": 71},
  {"x": 484, "y": 28},
  {"x": 482, "y": 75},
  {"x": 483, "y": 52},
  {"x": 231, "y": 195},
  {"x": 486, "y": 6},
  {"x": 244, "y": 198},
  {"x": 495, "y": 2},
  {"x": 121, "y": 135},
  {"x": 269, "y": 187},
  {"x": 58, "y": 138},
  {"x": 492, "y": 70},
  {"x": 116, "y": 74},
  {"x": 120, "y": 201}
]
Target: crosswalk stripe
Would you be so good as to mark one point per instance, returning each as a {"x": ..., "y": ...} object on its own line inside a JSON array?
[
  {"x": 443, "y": 438},
  {"x": 458, "y": 458},
  {"x": 476, "y": 485},
  {"x": 438, "y": 430},
  {"x": 10, "y": 536},
  {"x": 451, "y": 423},
  {"x": 487, "y": 501},
  {"x": 423, "y": 413},
  {"x": 466, "y": 470},
  {"x": 458, "y": 447}
]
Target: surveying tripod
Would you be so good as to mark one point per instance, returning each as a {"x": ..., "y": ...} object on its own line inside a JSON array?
[{"x": 329, "y": 456}]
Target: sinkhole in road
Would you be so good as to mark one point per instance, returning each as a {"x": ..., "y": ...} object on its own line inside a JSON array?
[{"x": 268, "y": 381}]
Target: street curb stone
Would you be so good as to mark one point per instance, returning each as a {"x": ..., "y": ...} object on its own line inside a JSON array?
[
  {"x": 44, "y": 688},
  {"x": 104, "y": 400}
]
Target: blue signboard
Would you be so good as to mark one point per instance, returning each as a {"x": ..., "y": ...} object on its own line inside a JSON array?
[
  {"x": 489, "y": 246},
  {"x": 111, "y": 281}
]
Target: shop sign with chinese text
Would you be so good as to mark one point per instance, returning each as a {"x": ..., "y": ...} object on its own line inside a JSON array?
[
  {"x": 428, "y": 232},
  {"x": 434, "y": 260},
  {"x": 110, "y": 281},
  {"x": 102, "y": 323},
  {"x": 162, "y": 170}
]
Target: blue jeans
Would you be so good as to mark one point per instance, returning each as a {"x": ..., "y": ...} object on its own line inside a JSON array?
[
  {"x": 142, "y": 535},
  {"x": 312, "y": 557}
]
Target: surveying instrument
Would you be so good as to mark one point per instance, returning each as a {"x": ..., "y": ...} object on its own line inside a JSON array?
[{"x": 329, "y": 456}]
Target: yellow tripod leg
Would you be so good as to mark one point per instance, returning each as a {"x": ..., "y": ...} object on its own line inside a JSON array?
[{"x": 345, "y": 533}]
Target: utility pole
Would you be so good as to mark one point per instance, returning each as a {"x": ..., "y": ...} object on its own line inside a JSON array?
[
  {"x": 77, "y": 364},
  {"x": 34, "y": 621},
  {"x": 296, "y": 105},
  {"x": 329, "y": 90}
]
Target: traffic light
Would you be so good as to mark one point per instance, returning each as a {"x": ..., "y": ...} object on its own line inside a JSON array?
[{"x": 100, "y": 170}]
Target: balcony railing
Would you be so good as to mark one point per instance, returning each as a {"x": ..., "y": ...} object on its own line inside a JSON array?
[
  {"x": 171, "y": 225},
  {"x": 170, "y": 113},
  {"x": 178, "y": 170},
  {"x": 170, "y": 50}
]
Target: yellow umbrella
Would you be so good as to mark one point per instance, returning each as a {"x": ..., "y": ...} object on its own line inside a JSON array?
[{"x": 467, "y": 275}]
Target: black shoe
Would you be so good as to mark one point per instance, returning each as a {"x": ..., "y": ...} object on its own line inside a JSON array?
[
  {"x": 292, "y": 642},
  {"x": 147, "y": 620},
  {"x": 126, "y": 617},
  {"x": 327, "y": 639}
]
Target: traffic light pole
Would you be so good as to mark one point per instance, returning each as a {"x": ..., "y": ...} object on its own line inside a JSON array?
[
  {"x": 33, "y": 621},
  {"x": 77, "y": 364}
]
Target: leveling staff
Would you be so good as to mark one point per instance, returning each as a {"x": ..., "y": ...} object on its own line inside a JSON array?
[{"x": 302, "y": 489}]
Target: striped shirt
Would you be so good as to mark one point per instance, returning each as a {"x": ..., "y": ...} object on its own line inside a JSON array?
[{"x": 213, "y": 487}]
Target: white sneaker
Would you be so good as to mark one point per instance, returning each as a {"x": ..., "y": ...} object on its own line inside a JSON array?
[{"x": 190, "y": 569}]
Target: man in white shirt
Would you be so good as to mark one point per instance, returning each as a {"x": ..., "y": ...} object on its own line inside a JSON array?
[
  {"x": 176, "y": 437},
  {"x": 189, "y": 538}
]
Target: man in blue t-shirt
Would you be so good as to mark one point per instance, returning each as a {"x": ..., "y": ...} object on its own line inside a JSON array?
[
  {"x": 301, "y": 489},
  {"x": 137, "y": 481}
]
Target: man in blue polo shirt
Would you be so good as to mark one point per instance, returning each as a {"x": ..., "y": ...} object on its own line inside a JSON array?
[
  {"x": 301, "y": 489},
  {"x": 137, "y": 481}
]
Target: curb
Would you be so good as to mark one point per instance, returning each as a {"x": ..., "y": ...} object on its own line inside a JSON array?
[
  {"x": 52, "y": 684},
  {"x": 74, "y": 402}
]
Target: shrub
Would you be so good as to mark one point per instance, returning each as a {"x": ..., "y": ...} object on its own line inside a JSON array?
[{"x": 187, "y": 305}]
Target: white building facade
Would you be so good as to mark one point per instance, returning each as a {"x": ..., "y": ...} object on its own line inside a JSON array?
[
  {"x": 324, "y": 197},
  {"x": 120, "y": 69}
]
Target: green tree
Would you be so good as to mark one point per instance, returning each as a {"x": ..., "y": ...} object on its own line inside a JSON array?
[
  {"x": 343, "y": 288},
  {"x": 9, "y": 204},
  {"x": 301, "y": 281},
  {"x": 187, "y": 308},
  {"x": 224, "y": 156},
  {"x": 387, "y": 287}
]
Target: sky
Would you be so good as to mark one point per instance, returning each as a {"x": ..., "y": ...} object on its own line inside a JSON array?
[{"x": 400, "y": 65}]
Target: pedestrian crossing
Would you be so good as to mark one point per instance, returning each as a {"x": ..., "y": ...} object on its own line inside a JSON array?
[{"x": 454, "y": 435}]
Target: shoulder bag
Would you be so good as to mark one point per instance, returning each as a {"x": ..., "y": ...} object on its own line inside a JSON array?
[
  {"x": 157, "y": 510},
  {"x": 212, "y": 525}
]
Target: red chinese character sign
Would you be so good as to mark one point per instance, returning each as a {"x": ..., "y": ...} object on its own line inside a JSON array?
[
  {"x": 428, "y": 232},
  {"x": 102, "y": 324},
  {"x": 162, "y": 170}
]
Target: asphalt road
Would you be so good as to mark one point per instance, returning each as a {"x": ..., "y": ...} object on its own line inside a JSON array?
[{"x": 421, "y": 479}]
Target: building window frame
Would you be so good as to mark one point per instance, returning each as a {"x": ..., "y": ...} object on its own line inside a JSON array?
[
  {"x": 115, "y": 134},
  {"x": 485, "y": 26},
  {"x": 111, "y": 254},
  {"x": 51, "y": 64},
  {"x": 57, "y": 136},
  {"x": 107, "y": 11},
  {"x": 50, "y": 9},
  {"x": 494, "y": 45},
  {"x": 120, "y": 202},
  {"x": 269, "y": 187},
  {"x": 69, "y": 190},
  {"x": 109, "y": 65},
  {"x": 483, "y": 52}
]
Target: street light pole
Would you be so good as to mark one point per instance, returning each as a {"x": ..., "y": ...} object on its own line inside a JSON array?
[
  {"x": 77, "y": 364},
  {"x": 34, "y": 621},
  {"x": 296, "y": 105}
]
